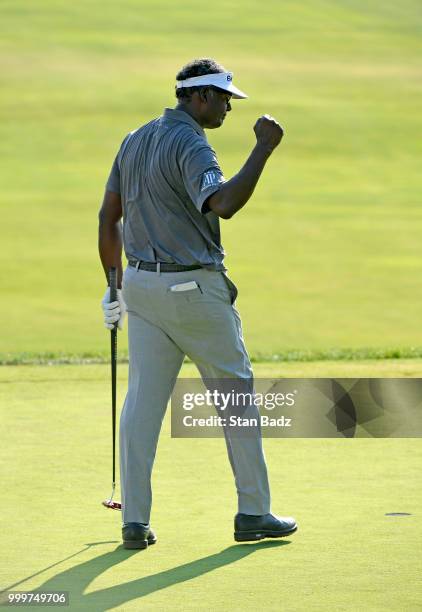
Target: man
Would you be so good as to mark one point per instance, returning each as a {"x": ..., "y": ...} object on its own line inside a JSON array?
[{"x": 168, "y": 186}]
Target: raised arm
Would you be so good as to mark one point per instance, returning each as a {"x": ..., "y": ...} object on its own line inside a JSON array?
[
  {"x": 110, "y": 234},
  {"x": 234, "y": 194}
]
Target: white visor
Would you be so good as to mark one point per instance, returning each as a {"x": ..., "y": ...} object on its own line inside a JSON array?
[{"x": 222, "y": 80}]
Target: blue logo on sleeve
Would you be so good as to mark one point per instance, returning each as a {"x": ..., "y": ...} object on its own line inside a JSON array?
[{"x": 211, "y": 178}]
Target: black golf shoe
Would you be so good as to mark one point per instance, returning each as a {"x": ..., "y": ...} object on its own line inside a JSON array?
[
  {"x": 249, "y": 528},
  {"x": 137, "y": 535}
]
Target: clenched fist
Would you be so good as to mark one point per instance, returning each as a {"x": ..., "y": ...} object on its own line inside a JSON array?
[{"x": 268, "y": 132}]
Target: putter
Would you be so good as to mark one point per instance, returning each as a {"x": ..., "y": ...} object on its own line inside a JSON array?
[{"x": 112, "y": 279}]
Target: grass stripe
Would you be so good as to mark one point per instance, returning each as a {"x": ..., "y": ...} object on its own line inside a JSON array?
[{"x": 334, "y": 354}]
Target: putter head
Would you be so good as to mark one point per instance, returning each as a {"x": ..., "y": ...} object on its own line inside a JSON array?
[{"x": 113, "y": 505}]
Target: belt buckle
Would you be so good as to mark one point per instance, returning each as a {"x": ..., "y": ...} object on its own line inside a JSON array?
[
  {"x": 138, "y": 263},
  {"x": 158, "y": 267}
]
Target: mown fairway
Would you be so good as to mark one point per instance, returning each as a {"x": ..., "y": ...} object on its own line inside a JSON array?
[
  {"x": 327, "y": 254},
  {"x": 56, "y": 465}
]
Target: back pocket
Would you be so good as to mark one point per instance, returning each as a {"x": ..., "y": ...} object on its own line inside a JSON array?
[{"x": 185, "y": 292}]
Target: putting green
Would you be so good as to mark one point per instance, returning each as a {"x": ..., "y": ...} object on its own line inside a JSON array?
[{"x": 347, "y": 554}]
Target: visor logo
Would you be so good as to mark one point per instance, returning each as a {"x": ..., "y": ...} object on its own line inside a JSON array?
[{"x": 229, "y": 77}]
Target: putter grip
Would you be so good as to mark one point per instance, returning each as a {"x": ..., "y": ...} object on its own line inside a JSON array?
[{"x": 112, "y": 280}]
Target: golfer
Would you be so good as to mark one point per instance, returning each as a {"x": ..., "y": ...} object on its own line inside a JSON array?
[{"x": 167, "y": 185}]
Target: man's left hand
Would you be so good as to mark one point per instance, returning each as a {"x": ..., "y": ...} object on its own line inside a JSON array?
[{"x": 114, "y": 312}]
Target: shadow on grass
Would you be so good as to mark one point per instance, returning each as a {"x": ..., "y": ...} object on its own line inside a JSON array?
[
  {"x": 77, "y": 579},
  {"x": 78, "y": 552}
]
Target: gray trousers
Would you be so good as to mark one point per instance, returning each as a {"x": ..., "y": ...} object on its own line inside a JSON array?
[{"x": 164, "y": 326}]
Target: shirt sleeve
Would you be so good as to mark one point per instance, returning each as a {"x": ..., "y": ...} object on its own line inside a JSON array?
[
  {"x": 201, "y": 172},
  {"x": 113, "y": 183}
]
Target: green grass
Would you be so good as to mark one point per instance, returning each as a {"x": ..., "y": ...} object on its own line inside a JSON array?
[
  {"x": 347, "y": 555},
  {"x": 334, "y": 355},
  {"x": 327, "y": 254},
  {"x": 327, "y": 258}
]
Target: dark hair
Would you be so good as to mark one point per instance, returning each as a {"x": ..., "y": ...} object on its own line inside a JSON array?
[{"x": 197, "y": 67}]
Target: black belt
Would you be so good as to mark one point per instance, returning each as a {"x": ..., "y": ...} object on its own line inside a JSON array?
[{"x": 161, "y": 266}]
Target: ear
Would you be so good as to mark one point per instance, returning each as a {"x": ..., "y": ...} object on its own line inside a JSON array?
[{"x": 203, "y": 94}]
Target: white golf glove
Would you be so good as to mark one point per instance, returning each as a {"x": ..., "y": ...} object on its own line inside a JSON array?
[{"x": 113, "y": 311}]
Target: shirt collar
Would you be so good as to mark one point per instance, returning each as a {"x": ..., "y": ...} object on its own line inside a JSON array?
[{"x": 178, "y": 115}]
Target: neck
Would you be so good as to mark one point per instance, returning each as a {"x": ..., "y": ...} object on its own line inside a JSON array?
[{"x": 187, "y": 108}]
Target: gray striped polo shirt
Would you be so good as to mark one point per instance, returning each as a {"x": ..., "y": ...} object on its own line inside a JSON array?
[{"x": 164, "y": 172}]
